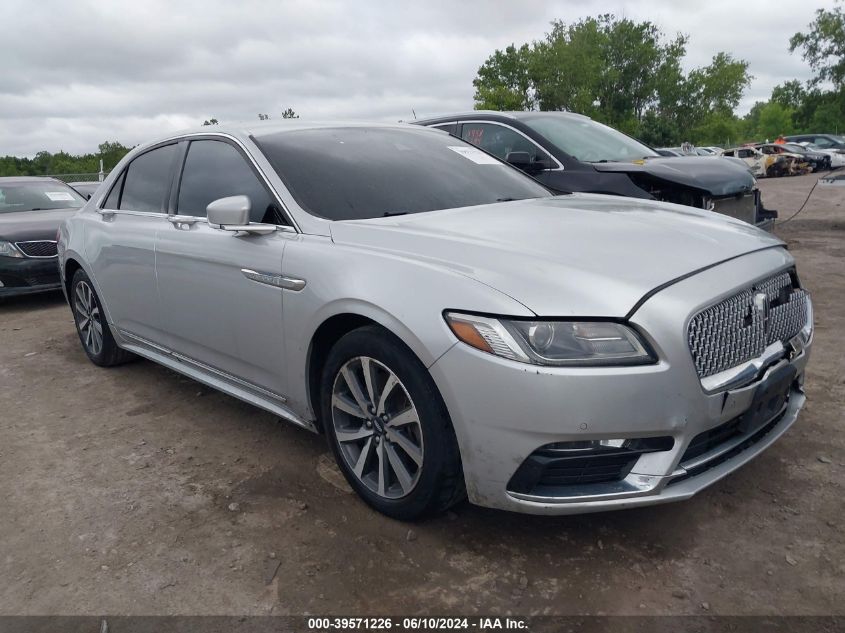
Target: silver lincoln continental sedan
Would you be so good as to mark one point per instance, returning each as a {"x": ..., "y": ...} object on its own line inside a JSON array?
[{"x": 450, "y": 325}]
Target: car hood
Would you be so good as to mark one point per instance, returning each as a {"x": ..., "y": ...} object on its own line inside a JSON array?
[
  {"x": 32, "y": 225},
  {"x": 711, "y": 174},
  {"x": 571, "y": 255}
]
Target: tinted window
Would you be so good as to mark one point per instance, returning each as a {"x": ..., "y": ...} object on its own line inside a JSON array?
[
  {"x": 356, "y": 173},
  {"x": 586, "y": 140},
  {"x": 214, "y": 169},
  {"x": 499, "y": 140},
  {"x": 446, "y": 127},
  {"x": 37, "y": 195},
  {"x": 147, "y": 180},
  {"x": 113, "y": 200}
]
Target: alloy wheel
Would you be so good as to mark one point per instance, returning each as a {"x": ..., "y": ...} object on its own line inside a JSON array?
[
  {"x": 377, "y": 427},
  {"x": 88, "y": 318}
]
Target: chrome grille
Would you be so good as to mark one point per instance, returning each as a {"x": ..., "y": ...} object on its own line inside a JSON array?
[
  {"x": 735, "y": 330},
  {"x": 40, "y": 248}
]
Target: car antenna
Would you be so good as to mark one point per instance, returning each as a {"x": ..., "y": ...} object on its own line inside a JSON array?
[{"x": 414, "y": 113}]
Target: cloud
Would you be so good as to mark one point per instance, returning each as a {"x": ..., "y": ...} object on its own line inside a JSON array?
[{"x": 76, "y": 74}]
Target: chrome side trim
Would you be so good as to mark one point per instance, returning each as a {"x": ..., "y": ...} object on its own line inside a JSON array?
[
  {"x": 634, "y": 485},
  {"x": 278, "y": 281},
  {"x": 218, "y": 372}
]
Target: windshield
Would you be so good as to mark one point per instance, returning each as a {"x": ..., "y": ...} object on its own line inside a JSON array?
[
  {"x": 358, "y": 173},
  {"x": 588, "y": 141},
  {"x": 798, "y": 149},
  {"x": 37, "y": 196}
]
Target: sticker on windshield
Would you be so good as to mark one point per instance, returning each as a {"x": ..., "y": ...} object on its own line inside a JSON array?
[
  {"x": 474, "y": 154},
  {"x": 59, "y": 196}
]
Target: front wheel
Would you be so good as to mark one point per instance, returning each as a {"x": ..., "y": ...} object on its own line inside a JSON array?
[
  {"x": 388, "y": 427},
  {"x": 91, "y": 325}
]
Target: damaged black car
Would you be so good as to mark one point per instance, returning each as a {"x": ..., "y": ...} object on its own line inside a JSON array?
[{"x": 571, "y": 152}]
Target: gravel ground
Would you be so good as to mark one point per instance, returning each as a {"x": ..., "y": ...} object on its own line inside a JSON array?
[{"x": 136, "y": 491}]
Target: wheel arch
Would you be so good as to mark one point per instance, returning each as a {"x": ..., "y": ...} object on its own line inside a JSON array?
[{"x": 334, "y": 326}]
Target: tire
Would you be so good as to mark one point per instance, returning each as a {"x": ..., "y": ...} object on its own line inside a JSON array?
[
  {"x": 426, "y": 450},
  {"x": 92, "y": 326}
]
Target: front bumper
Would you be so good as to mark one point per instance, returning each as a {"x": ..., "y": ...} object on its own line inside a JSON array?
[
  {"x": 24, "y": 275},
  {"x": 515, "y": 409}
]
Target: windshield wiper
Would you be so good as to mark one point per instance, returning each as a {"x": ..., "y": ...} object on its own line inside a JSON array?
[
  {"x": 389, "y": 214},
  {"x": 505, "y": 199}
]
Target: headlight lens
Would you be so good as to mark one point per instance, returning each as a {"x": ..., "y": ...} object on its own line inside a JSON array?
[
  {"x": 554, "y": 343},
  {"x": 7, "y": 249}
]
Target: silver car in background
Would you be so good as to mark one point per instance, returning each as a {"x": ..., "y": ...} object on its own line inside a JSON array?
[{"x": 450, "y": 325}]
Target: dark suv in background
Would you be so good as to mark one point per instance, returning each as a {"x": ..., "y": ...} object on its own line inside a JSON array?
[
  {"x": 822, "y": 141},
  {"x": 571, "y": 152}
]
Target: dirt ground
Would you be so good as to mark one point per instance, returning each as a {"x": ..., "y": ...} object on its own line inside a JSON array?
[{"x": 136, "y": 491}]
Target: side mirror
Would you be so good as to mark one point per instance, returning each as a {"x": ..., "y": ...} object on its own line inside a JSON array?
[
  {"x": 231, "y": 211},
  {"x": 232, "y": 214},
  {"x": 520, "y": 160}
]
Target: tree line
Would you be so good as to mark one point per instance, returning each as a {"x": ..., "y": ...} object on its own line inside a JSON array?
[
  {"x": 630, "y": 75},
  {"x": 63, "y": 163}
]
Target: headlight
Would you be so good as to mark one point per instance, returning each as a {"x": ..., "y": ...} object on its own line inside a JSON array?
[
  {"x": 7, "y": 249},
  {"x": 552, "y": 342}
]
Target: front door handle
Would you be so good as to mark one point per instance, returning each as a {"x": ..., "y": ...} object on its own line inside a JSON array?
[{"x": 181, "y": 220}]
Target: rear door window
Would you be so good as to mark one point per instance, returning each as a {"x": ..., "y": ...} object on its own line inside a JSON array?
[
  {"x": 216, "y": 169},
  {"x": 500, "y": 141},
  {"x": 147, "y": 180}
]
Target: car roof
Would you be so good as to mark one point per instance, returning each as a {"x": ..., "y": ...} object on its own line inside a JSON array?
[
  {"x": 504, "y": 114},
  {"x": 260, "y": 129},
  {"x": 24, "y": 179}
]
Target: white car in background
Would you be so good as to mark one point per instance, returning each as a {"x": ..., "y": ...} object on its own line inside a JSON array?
[
  {"x": 755, "y": 159},
  {"x": 837, "y": 158}
]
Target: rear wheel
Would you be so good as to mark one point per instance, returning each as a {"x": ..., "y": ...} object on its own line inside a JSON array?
[
  {"x": 388, "y": 426},
  {"x": 91, "y": 325}
]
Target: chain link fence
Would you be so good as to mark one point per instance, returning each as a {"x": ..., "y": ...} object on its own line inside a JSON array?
[{"x": 92, "y": 177}]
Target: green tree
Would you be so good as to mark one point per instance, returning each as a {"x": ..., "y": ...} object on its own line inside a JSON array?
[
  {"x": 719, "y": 86},
  {"x": 790, "y": 94},
  {"x": 618, "y": 71},
  {"x": 774, "y": 120},
  {"x": 289, "y": 114},
  {"x": 210, "y": 122},
  {"x": 44, "y": 163},
  {"x": 823, "y": 46},
  {"x": 503, "y": 81}
]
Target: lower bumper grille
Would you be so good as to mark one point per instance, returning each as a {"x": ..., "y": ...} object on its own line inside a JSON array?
[
  {"x": 716, "y": 446},
  {"x": 748, "y": 442},
  {"x": 549, "y": 469}
]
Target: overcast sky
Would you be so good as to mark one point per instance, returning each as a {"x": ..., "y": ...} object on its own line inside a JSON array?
[{"x": 74, "y": 73}]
